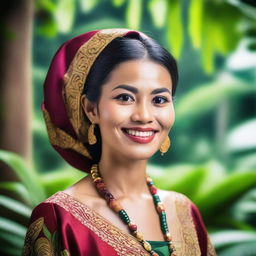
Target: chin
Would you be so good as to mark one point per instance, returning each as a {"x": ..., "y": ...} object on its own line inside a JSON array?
[{"x": 139, "y": 154}]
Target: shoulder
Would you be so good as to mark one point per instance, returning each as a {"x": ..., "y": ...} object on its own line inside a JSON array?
[
  {"x": 45, "y": 210},
  {"x": 171, "y": 197}
]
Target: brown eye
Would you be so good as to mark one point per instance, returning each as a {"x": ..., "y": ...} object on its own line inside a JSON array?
[
  {"x": 124, "y": 97},
  {"x": 160, "y": 100}
]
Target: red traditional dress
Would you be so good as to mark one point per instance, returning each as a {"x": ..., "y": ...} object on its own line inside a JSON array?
[{"x": 62, "y": 225}]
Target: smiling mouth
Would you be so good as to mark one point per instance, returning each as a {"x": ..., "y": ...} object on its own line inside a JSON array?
[{"x": 139, "y": 136}]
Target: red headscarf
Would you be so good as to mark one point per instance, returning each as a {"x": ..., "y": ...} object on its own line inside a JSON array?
[{"x": 63, "y": 87}]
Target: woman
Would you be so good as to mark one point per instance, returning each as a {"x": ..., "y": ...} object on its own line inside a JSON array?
[{"x": 108, "y": 108}]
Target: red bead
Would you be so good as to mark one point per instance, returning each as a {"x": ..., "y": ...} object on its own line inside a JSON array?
[
  {"x": 132, "y": 226},
  {"x": 103, "y": 191},
  {"x": 98, "y": 180},
  {"x": 108, "y": 196},
  {"x": 153, "y": 190},
  {"x": 100, "y": 185}
]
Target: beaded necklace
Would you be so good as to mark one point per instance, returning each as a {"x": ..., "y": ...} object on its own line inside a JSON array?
[{"x": 117, "y": 208}]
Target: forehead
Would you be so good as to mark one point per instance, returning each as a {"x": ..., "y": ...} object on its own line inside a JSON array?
[{"x": 140, "y": 73}]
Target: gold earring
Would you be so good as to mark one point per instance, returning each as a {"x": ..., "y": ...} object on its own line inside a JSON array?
[
  {"x": 91, "y": 136},
  {"x": 165, "y": 145}
]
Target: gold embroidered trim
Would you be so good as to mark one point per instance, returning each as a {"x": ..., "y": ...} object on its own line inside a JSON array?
[
  {"x": 43, "y": 247},
  {"x": 122, "y": 243},
  {"x": 125, "y": 244},
  {"x": 189, "y": 245},
  {"x": 61, "y": 139},
  {"x": 77, "y": 73},
  {"x": 32, "y": 233}
]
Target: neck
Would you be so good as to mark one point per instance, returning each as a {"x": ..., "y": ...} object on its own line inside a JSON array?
[{"x": 124, "y": 178}]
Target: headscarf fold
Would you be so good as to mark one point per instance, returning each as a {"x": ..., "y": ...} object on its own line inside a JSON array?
[{"x": 66, "y": 126}]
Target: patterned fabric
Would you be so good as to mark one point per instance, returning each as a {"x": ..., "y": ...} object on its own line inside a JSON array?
[{"x": 62, "y": 225}]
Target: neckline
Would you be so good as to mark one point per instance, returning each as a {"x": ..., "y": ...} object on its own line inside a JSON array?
[{"x": 106, "y": 220}]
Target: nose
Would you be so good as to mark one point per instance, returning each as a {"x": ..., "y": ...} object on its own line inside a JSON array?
[{"x": 142, "y": 113}]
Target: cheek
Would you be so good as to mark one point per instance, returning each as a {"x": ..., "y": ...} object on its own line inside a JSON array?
[
  {"x": 112, "y": 114},
  {"x": 166, "y": 117}
]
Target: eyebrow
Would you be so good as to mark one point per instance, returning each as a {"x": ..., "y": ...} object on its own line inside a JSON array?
[{"x": 135, "y": 90}]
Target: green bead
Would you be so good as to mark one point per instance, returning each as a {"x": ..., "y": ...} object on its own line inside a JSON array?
[
  {"x": 163, "y": 215},
  {"x": 124, "y": 216},
  {"x": 156, "y": 199},
  {"x": 164, "y": 227}
]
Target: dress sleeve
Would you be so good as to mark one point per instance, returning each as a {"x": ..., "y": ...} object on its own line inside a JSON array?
[
  {"x": 42, "y": 237},
  {"x": 203, "y": 237}
]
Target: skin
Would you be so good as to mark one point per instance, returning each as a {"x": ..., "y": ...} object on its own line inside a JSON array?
[{"x": 123, "y": 162}]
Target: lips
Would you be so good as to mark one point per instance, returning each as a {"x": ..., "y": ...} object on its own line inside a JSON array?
[{"x": 140, "y": 135}]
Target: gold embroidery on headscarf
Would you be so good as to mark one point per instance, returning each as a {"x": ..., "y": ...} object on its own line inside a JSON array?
[
  {"x": 61, "y": 139},
  {"x": 77, "y": 73}
]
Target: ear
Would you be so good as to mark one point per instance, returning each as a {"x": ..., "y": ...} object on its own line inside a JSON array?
[{"x": 90, "y": 109}]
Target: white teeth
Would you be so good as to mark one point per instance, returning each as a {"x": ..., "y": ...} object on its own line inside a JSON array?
[{"x": 139, "y": 133}]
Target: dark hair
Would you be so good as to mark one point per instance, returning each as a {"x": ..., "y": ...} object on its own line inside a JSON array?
[{"x": 121, "y": 49}]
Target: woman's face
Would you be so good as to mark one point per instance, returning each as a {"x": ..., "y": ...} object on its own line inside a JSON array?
[{"x": 137, "y": 95}]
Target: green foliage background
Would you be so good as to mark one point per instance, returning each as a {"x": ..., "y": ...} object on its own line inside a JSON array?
[{"x": 213, "y": 153}]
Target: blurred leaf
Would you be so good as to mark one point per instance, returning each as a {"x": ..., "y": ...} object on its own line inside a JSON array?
[
  {"x": 9, "y": 226},
  {"x": 18, "y": 188},
  {"x": 10, "y": 250},
  {"x": 183, "y": 179},
  {"x": 38, "y": 126},
  {"x": 64, "y": 15},
  {"x": 96, "y": 24},
  {"x": 60, "y": 180},
  {"x": 240, "y": 137},
  {"x": 189, "y": 183},
  {"x": 11, "y": 240},
  {"x": 39, "y": 73},
  {"x": 166, "y": 177},
  {"x": 214, "y": 175},
  {"x": 88, "y": 5},
  {"x": 133, "y": 14},
  {"x": 206, "y": 97},
  {"x": 15, "y": 206},
  {"x": 47, "y": 5},
  {"x": 195, "y": 21},
  {"x": 240, "y": 249},
  {"x": 28, "y": 177},
  {"x": 223, "y": 43},
  {"x": 48, "y": 28},
  {"x": 223, "y": 194},
  {"x": 175, "y": 27},
  {"x": 246, "y": 8},
  {"x": 214, "y": 32},
  {"x": 118, "y": 3},
  {"x": 158, "y": 11},
  {"x": 227, "y": 237},
  {"x": 208, "y": 49}
]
